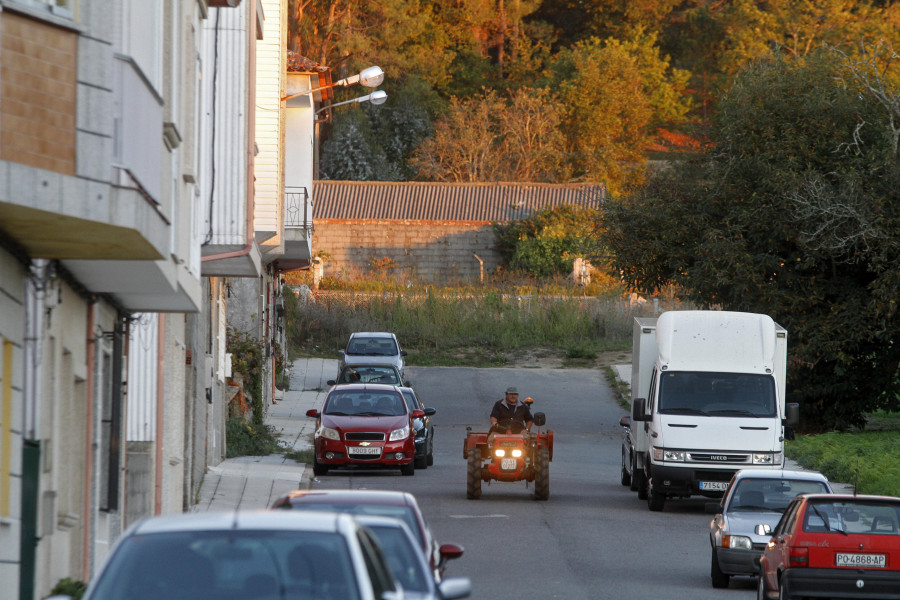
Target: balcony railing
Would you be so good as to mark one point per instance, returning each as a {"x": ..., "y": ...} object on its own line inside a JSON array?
[{"x": 297, "y": 208}]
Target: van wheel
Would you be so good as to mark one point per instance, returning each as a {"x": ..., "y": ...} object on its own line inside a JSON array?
[
  {"x": 719, "y": 579},
  {"x": 656, "y": 500}
]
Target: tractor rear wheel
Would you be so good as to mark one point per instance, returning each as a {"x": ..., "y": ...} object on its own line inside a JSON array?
[
  {"x": 542, "y": 474},
  {"x": 473, "y": 473}
]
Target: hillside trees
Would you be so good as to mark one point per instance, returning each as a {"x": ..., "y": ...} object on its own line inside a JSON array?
[{"x": 792, "y": 213}]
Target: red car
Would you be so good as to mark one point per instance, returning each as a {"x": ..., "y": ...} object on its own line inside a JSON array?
[
  {"x": 833, "y": 546},
  {"x": 365, "y": 425}
]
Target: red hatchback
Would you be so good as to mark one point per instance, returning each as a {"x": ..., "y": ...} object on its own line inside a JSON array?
[
  {"x": 365, "y": 425},
  {"x": 834, "y": 546}
]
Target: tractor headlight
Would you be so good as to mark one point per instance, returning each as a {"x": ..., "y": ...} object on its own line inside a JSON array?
[
  {"x": 500, "y": 453},
  {"x": 517, "y": 453}
]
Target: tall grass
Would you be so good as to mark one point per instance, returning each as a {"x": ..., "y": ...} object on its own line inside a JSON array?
[
  {"x": 475, "y": 326},
  {"x": 869, "y": 460}
]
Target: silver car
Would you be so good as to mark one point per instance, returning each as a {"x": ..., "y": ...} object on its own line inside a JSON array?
[
  {"x": 379, "y": 347},
  {"x": 409, "y": 565},
  {"x": 754, "y": 496},
  {"x": 246, "y": 555}
]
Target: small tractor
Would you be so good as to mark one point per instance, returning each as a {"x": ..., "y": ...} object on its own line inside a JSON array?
[{"x": 510, "y": 454}]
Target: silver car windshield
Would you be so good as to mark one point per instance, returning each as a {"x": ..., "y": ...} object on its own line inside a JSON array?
[
  {"x": 755, "y": 494},
  {"x": 237, "y": 565}
]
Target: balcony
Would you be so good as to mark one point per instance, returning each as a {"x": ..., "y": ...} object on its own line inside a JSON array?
[{"x": 298, "y": 230}]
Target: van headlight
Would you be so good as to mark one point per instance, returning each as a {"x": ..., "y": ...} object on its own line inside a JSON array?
[
  {"x": 661, "y": 454},
  {"x": 767, "y": 458}
]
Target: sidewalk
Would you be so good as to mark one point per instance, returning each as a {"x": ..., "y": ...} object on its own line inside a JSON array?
[{"x": 254, "y": 482}]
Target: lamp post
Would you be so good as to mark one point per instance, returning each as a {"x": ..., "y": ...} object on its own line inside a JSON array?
[
  {"x": 370, "y": 77},
  {"x": 377, "y": 97}
]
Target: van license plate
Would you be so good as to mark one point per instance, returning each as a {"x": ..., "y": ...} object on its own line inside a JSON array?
[
  {"x": 872, "y": 561},
  {"x": 714, "y": 486}
]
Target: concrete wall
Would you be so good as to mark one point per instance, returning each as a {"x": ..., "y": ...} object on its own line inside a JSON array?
[{"x": 436, "y": 251}]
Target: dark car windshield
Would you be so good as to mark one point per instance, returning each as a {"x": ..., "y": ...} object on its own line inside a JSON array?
[
  {"x": 403, "y": 558},
  {"x": 366, "y": 403},
  {"x": 404, "y": 513},
  {"x": 232, "y": 565},
  {"x": 716, "y": 394},
  {"x": 372, "y": 346},
  {"x": 374, "y": 374},
  {"x": 771, "y": 494}
]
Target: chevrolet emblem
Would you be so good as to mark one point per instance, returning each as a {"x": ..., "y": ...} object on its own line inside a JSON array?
[{"x": 364, "y": 443}]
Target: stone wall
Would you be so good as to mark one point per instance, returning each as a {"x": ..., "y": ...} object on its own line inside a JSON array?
[{"x": 435, "y": 251}]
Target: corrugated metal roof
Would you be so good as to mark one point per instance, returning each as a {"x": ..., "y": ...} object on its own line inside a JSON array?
[{"x": 421, "y": 201}]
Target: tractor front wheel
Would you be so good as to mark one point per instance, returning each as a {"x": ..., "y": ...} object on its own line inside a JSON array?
[
  {"x": 542, "y": 474},
  {"x": 473, "y": 474}
]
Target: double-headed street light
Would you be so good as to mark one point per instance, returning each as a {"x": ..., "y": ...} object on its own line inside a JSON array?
[
  {"x": 377, "y": 97},
  {"x": 370, "y": 77}
]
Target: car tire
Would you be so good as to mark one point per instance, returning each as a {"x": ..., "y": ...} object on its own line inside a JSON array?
[
  {"x": 421, "y": 462},
  {"x": 718, "y": 578},
  {"x": 626, "y": 476},
  {"x": 761, "y": 592},
  {"x": 319, "y": 468},
  {"x": 473, "y": 474},
  {"x": 784, "y": 593},
  {"x": 542, "y": 474},
  {"x": 656, "y": 501},
  {"x": 430, "y": 457}
]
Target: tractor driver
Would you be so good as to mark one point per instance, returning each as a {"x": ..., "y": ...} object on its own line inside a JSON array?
[{"x": 510, "y": 409}]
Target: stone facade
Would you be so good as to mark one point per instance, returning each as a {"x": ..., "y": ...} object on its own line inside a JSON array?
[{"x": 434, "y": 251}]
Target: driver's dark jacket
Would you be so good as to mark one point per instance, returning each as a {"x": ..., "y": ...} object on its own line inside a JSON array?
[{"x": 519, "y": 412}]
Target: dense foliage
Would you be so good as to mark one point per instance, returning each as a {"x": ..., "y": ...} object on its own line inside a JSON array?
[
  {"x": 547, "y": 243},
  {"x": 793, "y": 213}
]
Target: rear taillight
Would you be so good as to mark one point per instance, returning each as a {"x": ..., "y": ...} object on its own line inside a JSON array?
[{"x": 799, "y": 557}]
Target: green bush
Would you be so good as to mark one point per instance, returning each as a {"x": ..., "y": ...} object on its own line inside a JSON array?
[
  {"x": 249, "y": 439},
  {"x": 69, "y": 587},
  {"x": 868, "y": 460}
]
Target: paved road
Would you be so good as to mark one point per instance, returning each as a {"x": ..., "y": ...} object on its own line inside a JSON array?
[{"x": 593, "y": 539}]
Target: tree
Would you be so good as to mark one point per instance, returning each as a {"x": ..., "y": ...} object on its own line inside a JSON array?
[
  {"x": 742, "y": 228},
  {"x": 546, "y": 243},
  {"x": 491, "y": 138},
  {"x": 615, "y": 95}
]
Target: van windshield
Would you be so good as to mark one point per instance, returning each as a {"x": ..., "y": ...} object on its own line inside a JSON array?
[{"x": 717, "y": 394}]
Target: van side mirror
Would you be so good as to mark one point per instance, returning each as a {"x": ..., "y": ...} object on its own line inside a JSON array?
[
  {"x": 637, "y": 410},
  {"x": 792, "y": 414}
]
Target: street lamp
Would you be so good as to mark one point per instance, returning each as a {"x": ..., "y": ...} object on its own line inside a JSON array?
[
  {"x": 370, "y": 77},
  {"x": 377, "y": 97}
]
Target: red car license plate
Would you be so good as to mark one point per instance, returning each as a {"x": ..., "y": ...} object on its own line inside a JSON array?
[
  {"x": 368, "y": 451},
  {"x": 872, "y": 561}
]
